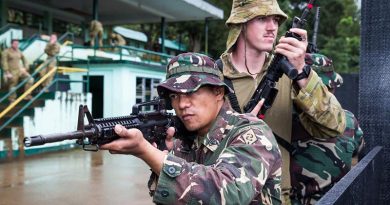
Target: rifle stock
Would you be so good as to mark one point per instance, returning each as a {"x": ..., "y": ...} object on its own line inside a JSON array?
[{"x": 152, "y": 124}]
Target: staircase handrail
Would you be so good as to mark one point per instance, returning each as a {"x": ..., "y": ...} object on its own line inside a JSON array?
[
  {"x": 9, "y": 26},
  {"x": 40, "y": 81}
]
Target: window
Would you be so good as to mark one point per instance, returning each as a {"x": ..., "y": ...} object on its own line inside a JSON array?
[{"x": 146, "y": 90}]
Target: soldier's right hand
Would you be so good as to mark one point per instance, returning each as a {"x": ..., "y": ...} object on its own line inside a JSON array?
[
  {"x": 131, "y": 141},
  {"x": 256, "y": 110}
]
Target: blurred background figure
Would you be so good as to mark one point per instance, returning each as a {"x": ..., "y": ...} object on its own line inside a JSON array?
[
  {"x": 96, "y": 30},
  {"x": 15, "y": 68},
  {"x": 117, "y": 40},
  {"x": 52, "y": 49}
]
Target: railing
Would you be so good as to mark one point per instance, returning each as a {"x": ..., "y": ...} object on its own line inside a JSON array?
[
  {"x": 361, "y": 185},
  {"x": 7, "y": 27},
  {"x": 125, "y": 53},
  {"x": 38, "y": 83}
]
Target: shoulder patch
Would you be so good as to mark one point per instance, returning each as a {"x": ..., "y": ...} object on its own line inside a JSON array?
[{"x": 248, "y": 137}]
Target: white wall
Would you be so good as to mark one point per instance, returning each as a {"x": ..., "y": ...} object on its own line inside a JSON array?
[{"x": 119, "y": 85}]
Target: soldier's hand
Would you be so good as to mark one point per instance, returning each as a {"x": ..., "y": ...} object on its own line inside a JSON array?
[
  {"x": 131, "y": 141},
  {"x": 256, "y": 110},
  {"x": 24, "y": 71},
  {"x": 294, "y": 49},
  {"x": 168, "y": 140},
  {"x": 8, "y": 75}
]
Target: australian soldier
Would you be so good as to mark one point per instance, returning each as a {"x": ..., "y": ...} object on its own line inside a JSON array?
[
  {"x": 15, "y": 68},
  {"x": 96, "y": 30},
  {"x": 319, "y": 163},
  {"x": 253, "y": 27},
  {"x": 231, "y": 159},
  {"x": 52, "y": 49},
  {"x": 117, "y": 40}
]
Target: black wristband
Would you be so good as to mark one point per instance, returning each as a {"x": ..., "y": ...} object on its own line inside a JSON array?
[{"x": 304, "y": 74}]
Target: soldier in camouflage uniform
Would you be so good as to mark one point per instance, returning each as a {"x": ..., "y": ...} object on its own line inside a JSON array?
[
  {"x": 231, "y": 159},
  {"x": 52, "y": 49},
  {"x": 319, "y": 163},
  {"x": 15, "y": 68},
  {"x": 253, "y": 26}
]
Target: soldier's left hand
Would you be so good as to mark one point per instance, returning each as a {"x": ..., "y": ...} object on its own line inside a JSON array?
[{"x": 294, "y": 49}]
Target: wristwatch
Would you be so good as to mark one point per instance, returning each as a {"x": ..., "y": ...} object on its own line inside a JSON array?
[{"x": 304, "y": 74}]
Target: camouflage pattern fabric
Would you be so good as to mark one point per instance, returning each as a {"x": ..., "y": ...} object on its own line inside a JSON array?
[
  {"x": 187, "y": 72},
  {"x": 246, "y": 10},
  {"x": 324, "y": 68},
  {"x": 319, "y": 163},
  {"x": 318, "y": 60},
  {"x": 237, "y": 162}
]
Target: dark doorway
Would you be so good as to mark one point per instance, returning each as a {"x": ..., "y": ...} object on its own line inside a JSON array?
[{"x": 96, "y": 85}]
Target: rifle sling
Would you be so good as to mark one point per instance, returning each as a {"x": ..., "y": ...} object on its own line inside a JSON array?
[
  {"x": 232, "y": 97},
  {"x": 290, "y": 148},
  {"x": 234, "y": 103}
]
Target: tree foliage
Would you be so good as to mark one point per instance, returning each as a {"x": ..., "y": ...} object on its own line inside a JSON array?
[{"x": 338, "y": 34}]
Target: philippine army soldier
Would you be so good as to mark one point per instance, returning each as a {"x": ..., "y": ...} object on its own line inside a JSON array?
[
  {"x": 230, "y": 159},
  {"x": 253, "y": 27},
  {"x": 319, "y": 163},
  {"x": 96, "y": 30},
  {"x": 52, "y": 49},
  {"x": 15, "y": 68}
]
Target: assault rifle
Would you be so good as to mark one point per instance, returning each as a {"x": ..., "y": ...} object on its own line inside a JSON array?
[
  {"x": 279, "y": 66},
  {"x": 312, "y": 46},
  {"x": 152, "y": 124}
]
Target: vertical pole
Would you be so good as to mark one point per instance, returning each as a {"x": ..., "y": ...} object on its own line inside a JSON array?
[
  {"x": 206, "y": 35},
  {"x": 95, "y": 16},
  {"x": 95, "y": 8},
  {"x": 49, "y": 21},
  {"x": 162, "y": 35},
  {"x": 3, "y": 13}
]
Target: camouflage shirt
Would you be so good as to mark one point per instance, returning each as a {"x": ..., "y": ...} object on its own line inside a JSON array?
[
  {"x": 319, "y": 163},
  {"x": 237, "y": 162}
]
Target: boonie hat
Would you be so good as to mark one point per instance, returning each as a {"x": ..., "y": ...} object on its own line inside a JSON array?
[
  {"x": 246, "y": 10},
  {"x": 187, "y": 72}
]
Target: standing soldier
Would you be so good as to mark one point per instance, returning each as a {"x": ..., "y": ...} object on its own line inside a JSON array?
[
  {"x": 253, "y": 27},
  {"x": 319, "y": 163},
  {"x": 52, "y": 49},
  {"x": 96, "y": 30},
  {"x": 14, "y": 71}
]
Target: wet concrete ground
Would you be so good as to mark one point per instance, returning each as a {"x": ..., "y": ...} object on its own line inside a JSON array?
[{"x": 74, "y": 177}]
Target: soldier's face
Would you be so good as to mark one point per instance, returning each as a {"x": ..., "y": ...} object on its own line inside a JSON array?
[
  {"x": 15, "y": 44},
  {"x": 261, "y": 32},
  {"x": 198, "y": 110}
]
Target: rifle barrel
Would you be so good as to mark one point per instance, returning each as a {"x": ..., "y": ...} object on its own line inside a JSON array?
[{"x": 57, "y": 137}]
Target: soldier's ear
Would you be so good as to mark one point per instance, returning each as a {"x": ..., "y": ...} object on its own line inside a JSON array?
[{"x": 219, "y": 90}]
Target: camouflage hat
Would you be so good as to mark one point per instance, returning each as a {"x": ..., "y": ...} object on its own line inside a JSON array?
[
  {"x": 246, "y": 10},
  {"x": 324, "y": 68},
  {"x": 188, "y": 72}
]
